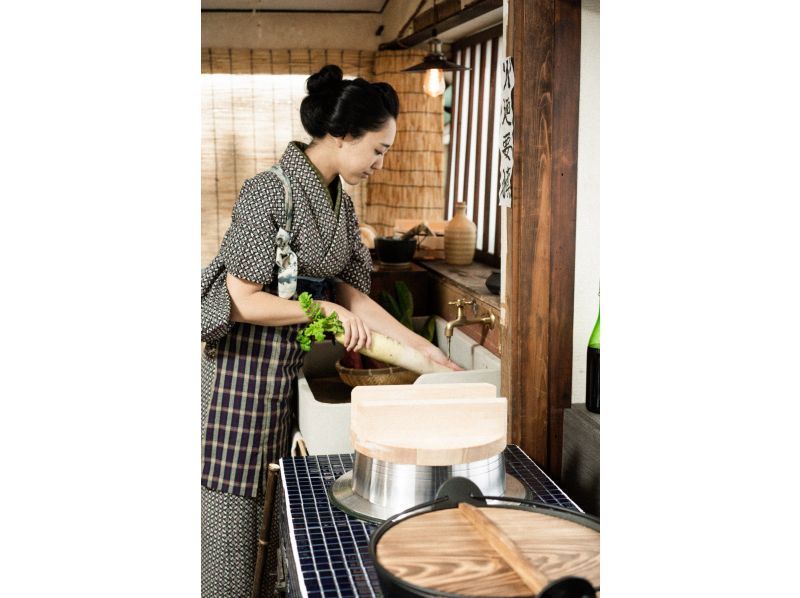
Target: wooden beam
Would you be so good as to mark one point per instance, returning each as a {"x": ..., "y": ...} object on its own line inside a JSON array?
[
  {"x": 470, "y": 12},
  {"x": 544, "y": 38},
  {"x": 478, "y": 38}
]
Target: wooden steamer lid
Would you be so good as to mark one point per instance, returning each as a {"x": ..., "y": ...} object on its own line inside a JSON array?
[
  {"x": 428, "y": 424},
  {"x": 445, "y": 551}
]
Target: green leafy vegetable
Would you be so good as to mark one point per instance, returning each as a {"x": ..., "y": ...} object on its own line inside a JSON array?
[
  {"x": 429, "y": 329},
  {"x": 402, "y": 309},
  {"x": 405, "y": 302},
  {"x": 319, "y": 325}
]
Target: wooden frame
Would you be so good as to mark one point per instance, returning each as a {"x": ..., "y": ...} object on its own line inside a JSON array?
[{"x": 544, "y": 41}]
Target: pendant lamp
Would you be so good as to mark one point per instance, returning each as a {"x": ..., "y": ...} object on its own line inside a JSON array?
[{"x": 434, "y": 65}]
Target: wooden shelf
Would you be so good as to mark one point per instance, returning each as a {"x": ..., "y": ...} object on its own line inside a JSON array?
[{"x": 471, "y": 278}]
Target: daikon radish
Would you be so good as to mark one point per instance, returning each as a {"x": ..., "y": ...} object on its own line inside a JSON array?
[{"x": 383, "y": 348}]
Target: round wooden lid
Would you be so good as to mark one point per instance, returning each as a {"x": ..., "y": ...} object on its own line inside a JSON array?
[
  {"x": 443, "y": 550},
  {"x": 428, "y": 424}
]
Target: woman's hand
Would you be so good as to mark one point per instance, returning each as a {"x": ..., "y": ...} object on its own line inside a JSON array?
[
  {"x": 357, "y": 334},
  {"x": 436, "y": 354}
]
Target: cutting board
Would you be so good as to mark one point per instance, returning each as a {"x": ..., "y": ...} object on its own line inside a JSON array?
[{"x": 430, "y": 424}]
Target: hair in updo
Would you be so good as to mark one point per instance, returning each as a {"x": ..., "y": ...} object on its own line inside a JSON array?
[{"x": 340, "y": 107}]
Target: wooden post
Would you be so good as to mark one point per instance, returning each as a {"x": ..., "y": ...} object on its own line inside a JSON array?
[{"x": 544, "y": 40}]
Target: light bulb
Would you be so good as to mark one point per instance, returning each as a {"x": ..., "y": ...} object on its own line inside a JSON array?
[{"x": 433, "y": 84}]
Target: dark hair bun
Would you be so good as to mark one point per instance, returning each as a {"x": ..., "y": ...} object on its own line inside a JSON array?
[
  {"x": 339, "y": 107},
  {"x": 389, "y": 98},
  {"x": 327, "y": 80}
]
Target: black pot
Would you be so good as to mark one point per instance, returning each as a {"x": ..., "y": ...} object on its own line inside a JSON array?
[
  {"x": 395, "y": 251},
  {"x": 450, "y": 494},
  {"x": 493, "y": 283}
]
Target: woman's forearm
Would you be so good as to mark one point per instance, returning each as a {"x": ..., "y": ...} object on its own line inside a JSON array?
[
  {"x": 252, "y": 305},
  {"x": 377, "y": 318}
]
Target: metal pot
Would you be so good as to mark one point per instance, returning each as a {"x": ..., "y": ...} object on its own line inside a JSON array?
[
  {"x": 453, "y": 492},
  {"x": 375, "y": 490},
  {"x": 395, "y": 251}
]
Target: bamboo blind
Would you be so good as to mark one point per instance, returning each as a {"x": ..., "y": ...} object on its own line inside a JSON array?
[
  {"x": 410, "y": 185},
  {"x": 474, "y": 142},
  {"x": 249, "y": 115}
]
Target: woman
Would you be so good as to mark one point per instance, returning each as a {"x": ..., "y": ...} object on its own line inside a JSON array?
[{"x": 252, "y": 356}]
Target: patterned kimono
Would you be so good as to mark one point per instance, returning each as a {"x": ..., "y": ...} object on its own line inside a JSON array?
[{"x": 248, "y": 373}]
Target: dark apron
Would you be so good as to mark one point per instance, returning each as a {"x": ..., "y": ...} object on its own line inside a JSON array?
[{"x": 249, "y": 420}]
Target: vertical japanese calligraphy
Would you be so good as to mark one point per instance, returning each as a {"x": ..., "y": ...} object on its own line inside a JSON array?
[{"x": 506, "y": 120}]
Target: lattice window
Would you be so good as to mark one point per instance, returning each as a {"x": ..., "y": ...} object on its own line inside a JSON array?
[{"x": 474, "y": 149}]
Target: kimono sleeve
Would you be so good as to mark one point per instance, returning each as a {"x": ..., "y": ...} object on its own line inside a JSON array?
[
  {"x": 248, "y": 248},
  {"x": 358, "y": 271}
]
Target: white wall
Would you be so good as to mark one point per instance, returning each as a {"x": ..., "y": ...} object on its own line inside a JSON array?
[
  {"x": 308, "y": 30},
  {"x": 587, "y": 233},
  {"x": 396, "y": 14}
]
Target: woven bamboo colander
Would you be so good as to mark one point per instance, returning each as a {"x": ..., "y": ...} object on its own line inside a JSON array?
[{"x": 376, "y": 376}]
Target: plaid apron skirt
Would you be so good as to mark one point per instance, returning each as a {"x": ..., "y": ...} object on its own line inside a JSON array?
[{"x": 247, "y": 423}]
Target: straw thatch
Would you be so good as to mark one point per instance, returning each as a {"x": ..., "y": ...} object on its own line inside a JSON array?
[
  {"x": 411, "y": 182},
  {"x": 303, "y": 61}
]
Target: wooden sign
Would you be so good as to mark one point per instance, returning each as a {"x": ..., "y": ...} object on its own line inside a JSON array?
[{"x": 506, "y": 137}]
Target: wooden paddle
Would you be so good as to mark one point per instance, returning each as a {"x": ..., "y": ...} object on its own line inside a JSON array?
[{"x": 505, "y": 547}]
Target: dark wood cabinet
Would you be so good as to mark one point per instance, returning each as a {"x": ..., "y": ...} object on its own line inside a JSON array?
[{"x": 418, "y": 280}]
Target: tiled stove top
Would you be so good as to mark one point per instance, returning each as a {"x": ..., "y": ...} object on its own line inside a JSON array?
[{"x": 327, "y": 551}]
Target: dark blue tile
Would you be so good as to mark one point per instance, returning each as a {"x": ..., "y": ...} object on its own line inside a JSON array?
[{"x": 335, "y": 546}]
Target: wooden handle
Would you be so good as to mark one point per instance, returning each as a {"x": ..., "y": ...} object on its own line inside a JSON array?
[
  {"x": 505, "y": 547},
  {"x": 302, "y": 448},
  {"x": 266, "y": 523}
]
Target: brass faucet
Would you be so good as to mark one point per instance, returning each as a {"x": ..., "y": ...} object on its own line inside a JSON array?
[{"x": 488, "y": 319}]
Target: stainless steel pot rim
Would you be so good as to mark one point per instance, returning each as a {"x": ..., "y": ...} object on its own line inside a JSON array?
[
  {"x": 396, "y": 487},
  {"x": 428, "y": 471},
  {"x": 342, "y": 496}
]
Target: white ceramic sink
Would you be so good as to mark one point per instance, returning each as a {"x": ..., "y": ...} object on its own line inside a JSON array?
[
  {"x": 480, "y": 364},
  {"x": 324, "y": 419}
]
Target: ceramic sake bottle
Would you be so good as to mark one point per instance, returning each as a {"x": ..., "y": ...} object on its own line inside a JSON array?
[{"x": 460, "y": 235}]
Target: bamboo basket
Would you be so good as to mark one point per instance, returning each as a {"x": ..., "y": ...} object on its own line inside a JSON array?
[{"x": 376, "y": 376}]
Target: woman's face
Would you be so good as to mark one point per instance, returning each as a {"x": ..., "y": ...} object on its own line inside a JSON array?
[{"x": 359, "y": 158}]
